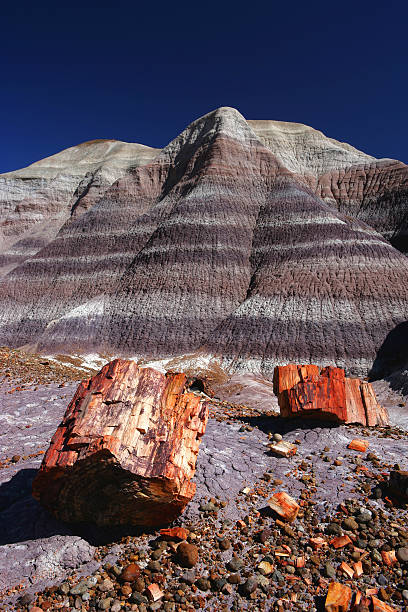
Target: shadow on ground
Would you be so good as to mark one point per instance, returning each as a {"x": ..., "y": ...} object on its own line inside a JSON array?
[
  {"x": 281, "y": 425},
  {"x": 22, "y": 518},
  {"x": 391, "y": 362}
]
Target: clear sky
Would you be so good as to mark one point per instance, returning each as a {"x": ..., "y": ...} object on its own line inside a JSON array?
[{"x": 141, "y": 71}]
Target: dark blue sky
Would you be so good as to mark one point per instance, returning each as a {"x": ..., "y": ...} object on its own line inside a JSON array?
[{"x": 140, "y": 72}]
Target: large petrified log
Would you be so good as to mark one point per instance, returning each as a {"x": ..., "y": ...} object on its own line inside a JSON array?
[
  {"x": 306, "y": 390},
  {"x": 126, "y": 449}
]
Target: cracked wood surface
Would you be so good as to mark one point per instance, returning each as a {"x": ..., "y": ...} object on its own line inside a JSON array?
[
  {"x": 126, "y": 449},
  {"x": 308, "y": 391}
]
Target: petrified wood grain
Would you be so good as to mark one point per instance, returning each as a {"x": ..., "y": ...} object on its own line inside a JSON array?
[
  {"x": 305, "y": 390},
  {"x": 126, "y": 449}
]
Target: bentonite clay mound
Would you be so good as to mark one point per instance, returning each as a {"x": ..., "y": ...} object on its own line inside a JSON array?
[
  {"x": 229, "y": 241},
  {"x": 126, "y": 449},
  {"x": 308, "y": 391}
]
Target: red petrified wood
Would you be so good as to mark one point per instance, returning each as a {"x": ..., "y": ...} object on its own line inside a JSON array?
[
  {"x": 338, "y": 598},
  {"x": 126, "y": 449},
  {"x": 305, "y": 390}
]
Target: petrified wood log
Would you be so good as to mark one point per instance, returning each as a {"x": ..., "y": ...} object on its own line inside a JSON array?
[
  {"x": 126, "y": 449},
  {"x": 305, "y": 390}
]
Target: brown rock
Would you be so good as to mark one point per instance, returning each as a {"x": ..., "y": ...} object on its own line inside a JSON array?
[
  {"x": 126, "y": 449},
  {"x": 187, "y": 554},
  {"x": 126, "y": 590},
  {"x": 338, "y": 598},
  {"x": 305, "y": 390},
  {"x": 130, "y": 573},
  {"x": 340, "y": 541}
]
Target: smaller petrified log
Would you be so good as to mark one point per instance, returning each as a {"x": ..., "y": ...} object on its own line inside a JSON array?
[
  {"x": 126, "y": 449},
  {"x": 305, "y": 390}
]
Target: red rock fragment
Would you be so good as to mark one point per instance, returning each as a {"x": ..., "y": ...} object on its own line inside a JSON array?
[
  {"x": 358, "y": 569},
  {"x": 174, "y": 533},
  {"x": 284, "y": 505},
  {"x": 360, "y": 603},
  {"x": 358, "y": 445},
  {"x": 371, "y": 592},
  {"x": 307, "y": 391},
  {"x": 317, "y": 543},
  {"x": 153, "y": 592},
  {"x": 381, "y": 606},
  {"x": 126, "y": 449},
  {"x": 346, "y": 569},
  {"x": 389, "y": 557},
  {"x": 338, "y": 598},
  {"x": 340, "y": 541}
]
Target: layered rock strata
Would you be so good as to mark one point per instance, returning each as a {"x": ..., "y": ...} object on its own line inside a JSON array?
[
  {"x": 372, "y": 190},
  {"x": 126, "y": 449},
  {"x": 308, "y": 391},
  {"x": 218, "y": 244},
  {"x": 35, "y": 202}
]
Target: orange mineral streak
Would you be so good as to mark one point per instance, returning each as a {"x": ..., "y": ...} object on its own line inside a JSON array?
[{"x": 126, "y": 449}]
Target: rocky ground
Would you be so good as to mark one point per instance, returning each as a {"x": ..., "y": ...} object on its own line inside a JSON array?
[{"x": 238, "y": 555}]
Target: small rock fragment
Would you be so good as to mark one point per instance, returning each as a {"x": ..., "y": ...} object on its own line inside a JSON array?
[
  {"x": 381, "y": 606},
  {"x": 359, "y": 445},
  {"x": 153, "y": 592},
  {"x": 187, "y": 554},
  {"x": 175, "y": 533},
  {"x": 284, "y": 505},
  {"x": 283, "y": 448},
  {"x": 389, "y": 557}
]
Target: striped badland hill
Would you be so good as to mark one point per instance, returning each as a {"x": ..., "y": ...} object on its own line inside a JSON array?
[{"x": 218, "y": 243}]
